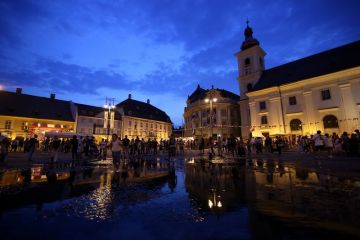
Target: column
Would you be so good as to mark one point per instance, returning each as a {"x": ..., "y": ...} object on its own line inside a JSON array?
[
  {"x": 254, "y": 119},
  {"x": 276, "y": 117},
  {"x": 311, "y": 125},
  {"x": 348, "y": 107}
]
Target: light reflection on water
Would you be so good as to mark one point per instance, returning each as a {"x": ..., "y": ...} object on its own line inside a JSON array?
[{"x": 232, "y": 197}]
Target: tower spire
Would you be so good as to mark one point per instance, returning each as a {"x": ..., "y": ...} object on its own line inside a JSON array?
[{"x": 249, "y": 40}]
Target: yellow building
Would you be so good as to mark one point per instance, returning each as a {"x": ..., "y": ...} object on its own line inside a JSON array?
[
  {"x": 23, "y": 115},
  {"x": 211, "y": 112},
  {"x": 143, "y": 120},
  {"x": 319, "y": 92}
]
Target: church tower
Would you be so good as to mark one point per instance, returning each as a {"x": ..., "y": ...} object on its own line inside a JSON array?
[
  {"x": 251, "y": 65},
  {"x": 250, "y": 62}
]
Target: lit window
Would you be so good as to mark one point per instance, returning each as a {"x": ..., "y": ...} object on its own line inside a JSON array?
[
  {"x": 292, "y": 100},
  {"x": 262, "y": 105},
  {"x": 7, "y": 124},
  {"x": 325, "y": 94}
]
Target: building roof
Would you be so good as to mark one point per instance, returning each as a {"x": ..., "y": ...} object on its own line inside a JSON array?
[
  {"x": 24, "y": 105},
  {"x": 134, "y": 108},
  {"x": 330, "y": 61},
  {"x": 92, "y": 111},
  {"x": 200, "y": 94}
]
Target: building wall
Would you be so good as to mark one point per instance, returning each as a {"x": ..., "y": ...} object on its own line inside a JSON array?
[
  {"x": 145, "y": 128},
  {"x": 310, "y": 108},
  {"x": 27, "y": 127},
  {"x": 226, "y": 118},
  {"x": 85, "y": 125}
]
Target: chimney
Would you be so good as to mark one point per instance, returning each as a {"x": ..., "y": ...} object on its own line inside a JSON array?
[
  {"x": 148, "y": 101},
  {"x": 129, "y": 95},
  {"x": 52, "y": 96},
  {"x": 18, "y": 90}
]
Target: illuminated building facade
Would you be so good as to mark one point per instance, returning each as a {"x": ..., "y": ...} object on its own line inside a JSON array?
[
  {"x": 319, "y": 92},
  {"x": 143, "y": 120},
  {"x": 23, "y": 115},
  {"x": 90, "y": 121},
  {"x": 211, "y": 112}
]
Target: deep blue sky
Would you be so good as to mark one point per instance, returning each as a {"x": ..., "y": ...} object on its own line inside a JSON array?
[{"x": 158, "y": 49}]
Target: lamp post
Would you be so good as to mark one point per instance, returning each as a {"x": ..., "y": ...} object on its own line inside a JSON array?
[
  {"x": 210, "y": 100},
  {"x": 108, "y": 114}
]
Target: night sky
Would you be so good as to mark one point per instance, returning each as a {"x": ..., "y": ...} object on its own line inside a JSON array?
[{"x": 88, "y": 50}]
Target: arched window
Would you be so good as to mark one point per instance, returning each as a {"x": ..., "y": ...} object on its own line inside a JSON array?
[
  {"x": 247, "y": 66},
  {"x": 264, "y": 120},
  {"x": 249, "y": 87},
  {"x": 330, "y": 121},
  {"x": 295, "y": 125}
]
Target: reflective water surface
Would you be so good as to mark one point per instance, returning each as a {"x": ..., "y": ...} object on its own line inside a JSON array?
[{"x": 184, "y": 199}]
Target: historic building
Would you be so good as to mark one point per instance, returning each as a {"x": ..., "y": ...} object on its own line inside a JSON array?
[
  {"x": 319, "y": 92},
  {"x": 23, "y": 115},
  {"x": 143, "y": 120},
  {"x": 211, "y": 112},
  {"x": 90, "y": 121}
]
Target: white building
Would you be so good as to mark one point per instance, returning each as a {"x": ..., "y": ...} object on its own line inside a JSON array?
[{"x": 319, "y": 92}]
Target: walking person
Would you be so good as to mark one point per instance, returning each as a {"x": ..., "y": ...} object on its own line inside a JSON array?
[
  {"x": 329, "y": 145},
  {"x": 115, "y": 145},
  {"x": 32, "y": 144},
  {"x": 279, "y": 144},
  {"x": 55, "y": 147},
  {"x": 74, "y": 148},
  {"x": 318, "y": 141}
]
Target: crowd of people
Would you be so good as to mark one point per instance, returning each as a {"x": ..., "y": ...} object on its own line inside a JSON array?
[{"x": 88, "y": 147}]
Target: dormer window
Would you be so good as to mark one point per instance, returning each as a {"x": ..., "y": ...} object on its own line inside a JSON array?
[{"x": 247, "y": 66}]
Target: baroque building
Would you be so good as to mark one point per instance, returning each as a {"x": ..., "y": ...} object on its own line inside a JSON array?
[
  {"x": 318, "y": 92},
  {"x": 23, "y": 115},
  {"x": 143, "y": 120},
  {"x": 211, "y": 112}
]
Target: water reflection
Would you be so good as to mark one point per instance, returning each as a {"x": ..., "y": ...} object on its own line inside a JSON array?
[
  {"x": 98, "y": 184},
  {"x": 274, "y": 197}
]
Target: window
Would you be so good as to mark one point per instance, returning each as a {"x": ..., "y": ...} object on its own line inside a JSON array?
[
  {"x": 130, "y": 123},
  {"x": 295, "y": 125},
  {"x": 7, "y": 124},
  {"x": 330, "y": 121},
  {"x": 262, "y": 105},
  {"x": 249, "y": 87},
  {"x": 24, "y": 126},
  {"x": 264, "y": 120},
  {"x": 292, "y": 100},
  {"x": 325, "y": 94},
  {"x": 223, "y": 112},
  {"x": 247, "y": 66}
]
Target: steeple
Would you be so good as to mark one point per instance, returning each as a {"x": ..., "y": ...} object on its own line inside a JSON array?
[{"x": 249, "y": 40}]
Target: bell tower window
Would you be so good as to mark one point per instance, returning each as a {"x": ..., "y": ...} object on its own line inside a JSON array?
[{"x": 247, "y": 66}]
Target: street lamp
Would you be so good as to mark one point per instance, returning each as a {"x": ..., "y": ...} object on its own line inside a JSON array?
[
  {"x": 109, "y": 116},
  {"x": 210, "y": 100}
]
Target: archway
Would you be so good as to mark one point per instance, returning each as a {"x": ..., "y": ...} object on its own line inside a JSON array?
[
  {"x": 295, "y": 125},
  {"x": 330, "y": 121}
]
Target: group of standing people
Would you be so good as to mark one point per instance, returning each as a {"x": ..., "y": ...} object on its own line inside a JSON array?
[{"x": 333, "y": 144}]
